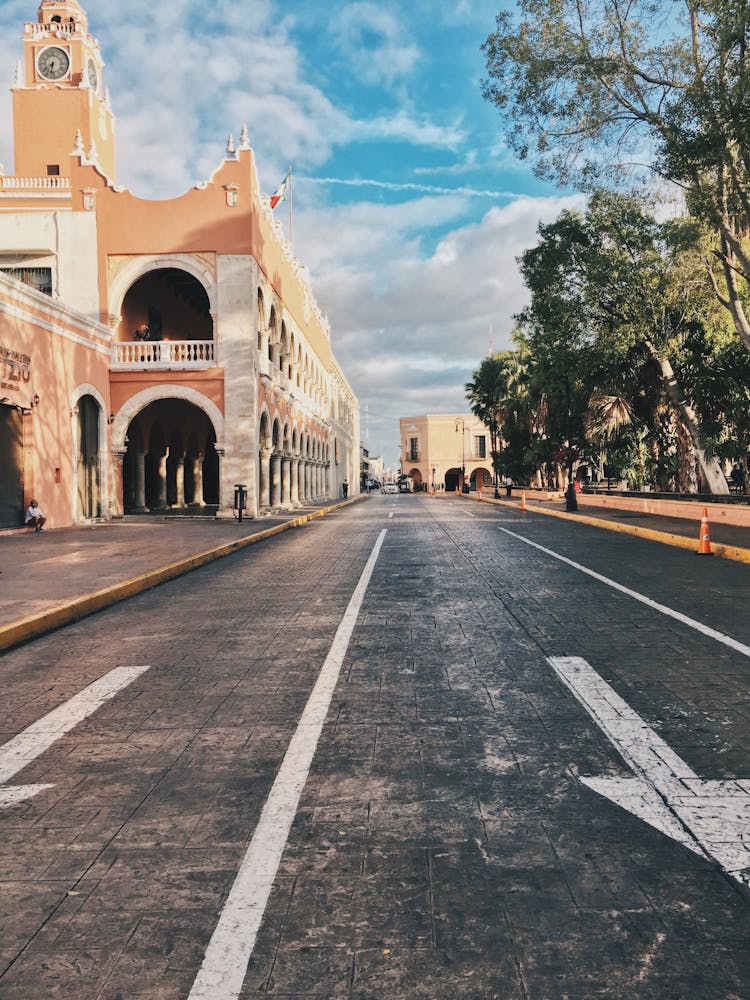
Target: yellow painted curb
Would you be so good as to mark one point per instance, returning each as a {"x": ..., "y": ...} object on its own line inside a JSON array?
[
  {"x": 733, "y": 552},
  {"x": 39, "y": 624}
]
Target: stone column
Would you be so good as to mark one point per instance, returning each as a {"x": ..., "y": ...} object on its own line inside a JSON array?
[
  {"x": 197, "y": 466},
  {"x": 139, "y": 482},
  {"x": 286, "y": 481},
  {"x": 117, "y": 503},
  {"x": 179, "y": 482},
  {"x": 265, "y": 477},
  {"x": 306, "y": 478},
  {"x": 295, "y": 481},
  {"x": 276, "y": 480},
  {"x": 161, "y": 479}
]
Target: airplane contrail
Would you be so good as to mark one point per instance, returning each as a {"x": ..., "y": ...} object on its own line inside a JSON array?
[{"x": 408, "y": 186}]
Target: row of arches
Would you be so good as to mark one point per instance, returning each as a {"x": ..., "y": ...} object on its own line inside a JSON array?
[
  {"x": 293, "y": 466},
  {"x": 287, "y": 353},
  {"x": 453, "y": 479}
]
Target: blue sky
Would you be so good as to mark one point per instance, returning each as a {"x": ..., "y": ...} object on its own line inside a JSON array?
[{"x": 408, "y": 208}]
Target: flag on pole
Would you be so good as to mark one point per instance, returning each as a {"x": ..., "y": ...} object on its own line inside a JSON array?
[{"x": 280, "y": 192}]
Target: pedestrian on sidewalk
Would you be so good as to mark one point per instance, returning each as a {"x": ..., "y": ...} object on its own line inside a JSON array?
[
  {"x": 345, "y": 488},
  {"x": 34, "y": 517},
  {"x": 508, "y": 486}
]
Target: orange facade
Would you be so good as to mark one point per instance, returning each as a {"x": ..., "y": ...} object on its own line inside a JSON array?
[{"x": 218, "y": 362}]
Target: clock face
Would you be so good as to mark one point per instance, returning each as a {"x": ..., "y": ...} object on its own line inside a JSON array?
[
  {"x": 53, "y": 63},
  {"x": 93, "y": 76}
]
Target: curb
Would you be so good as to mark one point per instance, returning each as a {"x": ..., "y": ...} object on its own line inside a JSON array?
[
  {"x": 34, "y": 626},
  {"x": 732, "y": 552}
]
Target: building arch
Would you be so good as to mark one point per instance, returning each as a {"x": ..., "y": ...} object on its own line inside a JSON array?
[
  {"x": 261, "y": 318},
  {"x": 130, "y": 409},
  {"x": 480, "y": 478},
  {"x": 171, "y": 459},
  {"x": 452, "y": 480},
  {"x": 264, "y": 428},
  {"x": 96, "y": 473},
  {"x": 142, "y": 266}
]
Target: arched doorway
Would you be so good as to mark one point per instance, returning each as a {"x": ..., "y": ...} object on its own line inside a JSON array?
[
  {"x": 481, "y": 479},
  {"x": 11, "y": 464},
  {"x": 416, "y": 475},
  {"x": 88, "y": 476},
  {"x": 452, "y": 480},
  {"x": 167, "y": 304},
  {"x": 171, "y": 462}
]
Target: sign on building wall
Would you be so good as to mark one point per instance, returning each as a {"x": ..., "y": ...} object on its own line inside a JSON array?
[{"x": 15, "y": 369}]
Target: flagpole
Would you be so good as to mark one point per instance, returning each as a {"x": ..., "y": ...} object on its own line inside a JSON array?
[{"x": 291, "y": 211}]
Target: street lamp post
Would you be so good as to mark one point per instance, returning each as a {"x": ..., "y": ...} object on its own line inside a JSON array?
[{"x": 460, "y": 420}]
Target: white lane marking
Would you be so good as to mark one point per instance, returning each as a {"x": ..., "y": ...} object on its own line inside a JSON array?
[
  {"x": 706, "y": 630},
  {"x": 17, "y": 753},
  {"x": 225, "y": 963},
  {"x": 712, "y": 818},
  {"x": 469, "y": 513},
  {"x": 390, "y": 515}
]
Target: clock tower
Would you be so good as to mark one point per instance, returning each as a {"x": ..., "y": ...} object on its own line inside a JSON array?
[{"x": 58, "y": 93}]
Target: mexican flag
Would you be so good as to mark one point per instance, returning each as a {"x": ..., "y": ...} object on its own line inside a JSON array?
[{"x": 280, "y": 192}]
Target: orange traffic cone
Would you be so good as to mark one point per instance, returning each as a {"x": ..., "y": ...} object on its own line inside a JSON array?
[
  {"x": 704, "y": 541},
  {"x": 523, "y": 500}
]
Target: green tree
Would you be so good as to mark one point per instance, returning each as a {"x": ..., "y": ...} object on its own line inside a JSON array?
[
  {"x": 605, "y": 293},
  {"x": 596, "y": 91},
  {"x": 487, "y": 394}
]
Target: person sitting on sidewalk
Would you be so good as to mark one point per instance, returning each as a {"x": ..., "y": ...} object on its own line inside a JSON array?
[{"x": 34, "y": 517}]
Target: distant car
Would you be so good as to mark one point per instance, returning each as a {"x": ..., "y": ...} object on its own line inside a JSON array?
[{"x": 390, "y": 488}]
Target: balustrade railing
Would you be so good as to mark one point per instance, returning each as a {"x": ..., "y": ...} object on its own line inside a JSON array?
[
  {"x": 36, "y": 30},
  {"x": 164, "y": 354},
  {"x": 54, "y": 183}
]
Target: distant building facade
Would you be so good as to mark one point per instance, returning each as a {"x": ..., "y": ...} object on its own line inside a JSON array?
[
  {"x": 153, "y": 354},
  {"x": 444, "y": 451}
]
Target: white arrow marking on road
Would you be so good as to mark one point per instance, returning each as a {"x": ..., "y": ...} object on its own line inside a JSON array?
[
  {"x": 711, "y": 818},
  {"x": 19, "y": 752}
]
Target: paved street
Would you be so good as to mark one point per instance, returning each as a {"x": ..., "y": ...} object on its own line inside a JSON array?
[{"x": 523, "y": 773}]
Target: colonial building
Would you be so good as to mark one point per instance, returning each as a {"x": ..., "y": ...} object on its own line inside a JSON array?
[
  {"x": 155, "y": 353},
  {"x": 446, "y": 451}
]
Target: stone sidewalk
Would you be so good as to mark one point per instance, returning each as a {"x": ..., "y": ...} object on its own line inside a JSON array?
[
  {"x": 728, "y": 540},
  {"x": 51, "y": 578}
]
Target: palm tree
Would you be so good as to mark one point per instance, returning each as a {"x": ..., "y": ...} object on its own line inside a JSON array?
[{"x": 487, "y": 395}]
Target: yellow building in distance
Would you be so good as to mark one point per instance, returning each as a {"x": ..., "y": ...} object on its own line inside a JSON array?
[{"x": 446, "y": 451}]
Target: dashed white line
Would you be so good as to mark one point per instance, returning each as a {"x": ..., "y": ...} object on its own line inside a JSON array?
[
  {"x": 225, "y": 963},
  {"x": 706, "y": 630},
  {"x": 19, "y": 752}
]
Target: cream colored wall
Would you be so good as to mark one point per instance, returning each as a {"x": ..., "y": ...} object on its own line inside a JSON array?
[
  {"x": 63, "y": 241},
  {"x": 440, "y": 445},
  {"x": 235, "y": 320}
]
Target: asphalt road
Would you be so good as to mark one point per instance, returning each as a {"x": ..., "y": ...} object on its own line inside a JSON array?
[{"x": 442, "y": 762}]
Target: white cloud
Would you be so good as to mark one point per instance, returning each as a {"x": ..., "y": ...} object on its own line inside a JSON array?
[
  {"x": 373, "y": 43},
  {"x": 410, "y": 326},
  {"x": 411, "y": 289}
]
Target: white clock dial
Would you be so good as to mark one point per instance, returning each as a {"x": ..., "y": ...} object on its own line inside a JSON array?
[{"x": 53, "y": 63}]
